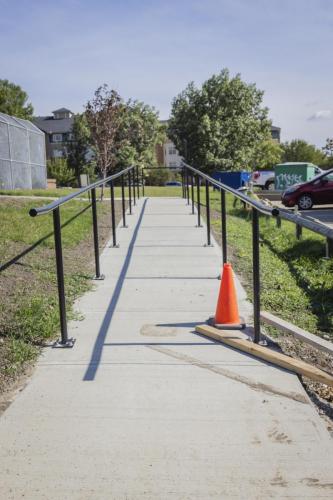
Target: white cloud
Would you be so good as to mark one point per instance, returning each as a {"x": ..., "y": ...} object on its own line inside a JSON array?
[{"x": 324, "y": 114}]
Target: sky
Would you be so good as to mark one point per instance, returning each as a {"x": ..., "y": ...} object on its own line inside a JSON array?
[{"x": 60, "y": 51}]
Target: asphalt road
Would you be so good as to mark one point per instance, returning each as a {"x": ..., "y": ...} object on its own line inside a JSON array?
[{"x": 321, "y": 214}]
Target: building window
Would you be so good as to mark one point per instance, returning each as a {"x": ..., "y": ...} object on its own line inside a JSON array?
[
  {"x": 57, "y": 137},
  {"x": 172, "y": 151},
  {"x": 70, "y": 136}
]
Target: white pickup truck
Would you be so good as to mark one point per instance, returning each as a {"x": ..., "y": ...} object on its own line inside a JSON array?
[{"x": 263, "y": 179}]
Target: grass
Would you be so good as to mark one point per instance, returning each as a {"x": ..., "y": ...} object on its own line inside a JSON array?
[
  {"x": 28, "y": 291},
  {"x": 296, "y": 279},
  {"x": 150, "y": 191}
]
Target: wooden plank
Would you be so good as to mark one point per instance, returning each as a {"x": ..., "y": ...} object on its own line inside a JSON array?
[
  {"x": 309, "y": 338},
  {"x": 234, "y": 339}
]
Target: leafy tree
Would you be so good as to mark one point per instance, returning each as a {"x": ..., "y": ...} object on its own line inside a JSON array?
[
  {"x": 328, "y": 151},
  {"x": 78, "y": 148},
  {"x": 139, "y": 133},
  {"x": 104, "y": 115},
  {"x": 157, "y": 177},
  {"x": 268, "y": 154},
  {"x": 59, "y": 169},
  {"x": 301, "y": 151},
  {"x": 328, "y": 148},
  {"x": 13, "y": 101},
  {"x": 219, "y": 125}
]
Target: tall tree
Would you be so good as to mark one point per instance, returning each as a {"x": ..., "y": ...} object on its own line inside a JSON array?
[
  {"x": 301, "y": 151},
  {"x": 268, "y": 154},
  {"x": 78, "y": 148},
  {"x": 140, "y": 133},
  {"x": 13, "y": 101},
  {"x": 104, "y": 117},
  {"x": 220, "y": 124},
  {"x": 328, "y": 151}
]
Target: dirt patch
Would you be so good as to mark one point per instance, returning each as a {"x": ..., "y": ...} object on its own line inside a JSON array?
[{"x": 158, "y": 331}]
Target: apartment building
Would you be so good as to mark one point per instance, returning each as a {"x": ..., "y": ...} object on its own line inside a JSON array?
[{"x": 58, "y": 132}]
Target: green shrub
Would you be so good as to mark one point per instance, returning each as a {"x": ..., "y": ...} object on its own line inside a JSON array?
[{"x": 59, "y": 169}]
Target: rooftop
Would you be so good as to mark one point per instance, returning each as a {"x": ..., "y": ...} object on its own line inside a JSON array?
[{"x": 62, "y": 110}]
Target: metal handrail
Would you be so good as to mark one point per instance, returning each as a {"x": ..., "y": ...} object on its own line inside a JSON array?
[
  {"x": 247, "y": 199},
  {"x": 190, "y": 172},
  {"x": 54, "y": 207},
  {"x": 296, "y": 218},
  {"x": 300, "y": 220},
  {"x": 64, "y": 199}
]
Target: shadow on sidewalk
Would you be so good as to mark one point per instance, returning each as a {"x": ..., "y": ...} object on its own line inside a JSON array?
[{"x": 99, "y": 344}]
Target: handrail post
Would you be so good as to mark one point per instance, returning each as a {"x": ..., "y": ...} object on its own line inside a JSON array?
[
  {"x": 143, "y": 183},
  {"x": 298, "y": 231},
  {"x": 187, "y": 187},
  {"x": 329, "y": 248},
  {"x": 256, "y": 275},
  {"x": 224, "y": 228},
  {"x": 113, "y": 216},
  {"x": 198, "y": 202},
  {"x": 134, "y": 194},
  {"x": 129, "y": 193},
  {"x": 123, "y": 200},
  {"x": 192, "y": 193},
  {"x": 98, "y": 275},
  {"x": 65, "y": 341},
  {"x": 208, "y": 214},
  {"x": 137, "y": 181}
]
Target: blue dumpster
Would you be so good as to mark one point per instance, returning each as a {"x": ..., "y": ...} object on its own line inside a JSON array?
[{"x": 234, "y": 180}]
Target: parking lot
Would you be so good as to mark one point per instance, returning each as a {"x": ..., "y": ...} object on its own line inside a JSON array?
[{"x": 319, "y": 213}]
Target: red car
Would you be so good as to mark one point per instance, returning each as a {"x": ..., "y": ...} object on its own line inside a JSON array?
[{"x": 317, "y": 191}]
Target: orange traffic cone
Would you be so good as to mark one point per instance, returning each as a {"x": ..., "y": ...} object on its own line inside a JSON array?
[{"x": 226, "y": 315}]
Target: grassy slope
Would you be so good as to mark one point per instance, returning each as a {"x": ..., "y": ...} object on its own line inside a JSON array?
[
  {"x": 152, "y": 191},
  {"x": 28, "y": 292},
  {"x": 296, "y": 279}
]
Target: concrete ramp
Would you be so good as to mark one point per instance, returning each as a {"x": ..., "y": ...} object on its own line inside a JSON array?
[{"x": 142, "y": 407}]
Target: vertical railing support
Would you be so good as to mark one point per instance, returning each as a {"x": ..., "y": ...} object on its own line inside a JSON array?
[
  {"x": 198, "y": 202},
  {"x": 134, "y": 194},
  {"x": 129, "y": 193},
  {"x": 298, "y": 232},
  {"x": 278, "y": 221},
  {"x": 224, "y": 228},
  {"x": 65, "y": 341},
  {"x": 143, "y": 183},
  {"x": 329, "y": 248},
  {"x": 183, "y": 183},
  {"x": 123, "y": 205},
  {"x": 113, "y": 216},
  {"x": 192, "y": 193},
  {"x": 187, "y": 187},
  {"x": 256, "y": 275},
  {"x": 137, "y": 181},
  {"x": 208, "y": 214},
  {"x": 98, "y": 275}
]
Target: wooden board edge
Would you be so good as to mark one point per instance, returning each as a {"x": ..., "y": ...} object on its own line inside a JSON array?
[
  {"x": 299, "y": 333},
  {"x": 276, "y": 358}
]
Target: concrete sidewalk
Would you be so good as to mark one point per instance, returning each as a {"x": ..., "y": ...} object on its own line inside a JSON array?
[{"x": 142, "y": 407}]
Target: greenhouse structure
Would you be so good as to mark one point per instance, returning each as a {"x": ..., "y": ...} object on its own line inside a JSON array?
[{"x": 22, "y": 154}]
